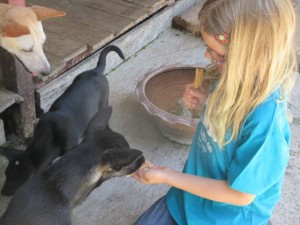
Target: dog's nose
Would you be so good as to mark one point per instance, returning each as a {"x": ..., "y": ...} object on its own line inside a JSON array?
[{"x": 46, "y": 71}]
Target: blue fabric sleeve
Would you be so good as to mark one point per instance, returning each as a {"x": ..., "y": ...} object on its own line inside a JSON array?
[{"x": 263, "y": 150}]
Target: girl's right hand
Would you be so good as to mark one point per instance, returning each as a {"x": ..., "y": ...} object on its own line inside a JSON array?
[
  {"x": 191, "y": 97},
  {"x": 152, "y": 174}
]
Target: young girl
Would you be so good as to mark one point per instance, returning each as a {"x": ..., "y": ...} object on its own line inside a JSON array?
[{"x": 240, "y": 151}]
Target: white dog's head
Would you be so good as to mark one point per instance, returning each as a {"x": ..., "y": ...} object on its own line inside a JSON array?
[{"x": 22, "y": 34}]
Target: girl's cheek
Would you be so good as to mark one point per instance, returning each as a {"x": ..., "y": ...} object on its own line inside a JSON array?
[
  {"x": 207, "y": 55},
  {"x": 220, "y": 67}
]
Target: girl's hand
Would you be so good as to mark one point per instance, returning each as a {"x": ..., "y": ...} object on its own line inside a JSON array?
[
  {"x": 151, "y": 174},
  {"x": 191, "y": 97}
]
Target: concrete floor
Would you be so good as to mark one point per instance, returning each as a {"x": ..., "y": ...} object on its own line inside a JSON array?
[{"x": 121, "y": 200}]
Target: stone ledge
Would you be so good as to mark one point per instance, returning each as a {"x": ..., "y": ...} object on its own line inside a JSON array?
[{"x": 188, "y": 21}]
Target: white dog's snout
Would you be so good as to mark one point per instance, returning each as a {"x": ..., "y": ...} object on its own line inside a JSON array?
[
  {"x": 41, "y": 66},
  {"x": 46, "y": 69}
]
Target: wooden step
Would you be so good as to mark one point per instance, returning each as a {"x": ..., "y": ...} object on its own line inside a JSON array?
[
  {"x": 87, "y": 27},
  {"x": 8, "y": 98}
]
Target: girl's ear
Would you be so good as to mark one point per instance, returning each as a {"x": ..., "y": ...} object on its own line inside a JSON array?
[{"x": 45, "y": 13}]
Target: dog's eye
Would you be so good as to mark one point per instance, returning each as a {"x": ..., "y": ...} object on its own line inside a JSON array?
[{"x": 28, "y": 50}]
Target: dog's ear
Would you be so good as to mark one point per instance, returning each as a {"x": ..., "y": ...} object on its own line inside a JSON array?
[
  {"x": 109, "y": 157},
  {"x": 117, "y": 158},
  {"x": 10, "y": 153},
  {"x": 12, "y": 29},
  {"x": 45, "y": 13}
]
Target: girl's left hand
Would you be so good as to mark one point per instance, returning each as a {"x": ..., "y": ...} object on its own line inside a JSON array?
[
  {"x": 192, "y": 97},
  {"x": 151, "y": 174}
]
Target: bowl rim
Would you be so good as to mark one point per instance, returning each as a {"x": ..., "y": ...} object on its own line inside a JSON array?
[{"x": 154, "y": 110}]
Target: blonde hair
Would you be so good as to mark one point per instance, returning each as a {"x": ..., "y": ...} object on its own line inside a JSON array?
[{"x": 260, "y": 58}]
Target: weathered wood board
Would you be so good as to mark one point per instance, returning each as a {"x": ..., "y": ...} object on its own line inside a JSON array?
[
  {"x": 88, "y": 26},
  {"x": 93, "y": 36},
  {"x": 152, "y": 5},
  {"x": 8, "y": 98},
  {"x": 120, "y": 8},
  {"x": 64, "y": 48},
  {"x": 90, "y": 15}
]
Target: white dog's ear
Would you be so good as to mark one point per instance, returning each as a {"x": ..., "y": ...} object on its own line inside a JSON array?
[
  {"x": 12, "y": 29},
  {"x": 45, "y": 13}
]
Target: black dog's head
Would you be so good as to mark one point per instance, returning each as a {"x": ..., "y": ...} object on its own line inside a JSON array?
[
  {"x": 88, "y": 165},
  {"x": 107, "y": 164},
  {"x": 120, "y": 161},
  {"x": 17, "y": 171},
  {"x": 103, "y": 154},
  {"x": 117, "y": 158}
]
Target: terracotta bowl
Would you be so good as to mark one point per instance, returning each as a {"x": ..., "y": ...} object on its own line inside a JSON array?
[{"x": 159, "y": 91}]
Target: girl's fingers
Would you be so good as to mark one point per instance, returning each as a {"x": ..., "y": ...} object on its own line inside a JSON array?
[
  {"x": 148, "y": 164},
  {"x": 189, "y": 103}
]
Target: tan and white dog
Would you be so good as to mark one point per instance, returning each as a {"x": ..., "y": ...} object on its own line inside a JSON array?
[{"x": 22, "y": 34}]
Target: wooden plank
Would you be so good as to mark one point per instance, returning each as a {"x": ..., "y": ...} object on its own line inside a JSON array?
[
  {"x": 8, "y": 98},
  {"x": 152, "y": 5},
  {"x": 62, "y": 47},
  {"x": 92, "y": 16},
  {"x": 79, "y": 31},
  {"x": 54, "y": 4},
  {"x": 84, "y": 17},
  {"x": 122, "y": 8},
  {"x": 99, "y": 18},
  {"x": 148, "y": 3}
]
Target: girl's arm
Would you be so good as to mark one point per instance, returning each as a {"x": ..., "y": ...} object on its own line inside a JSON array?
[{"x": 215, "y": 190}]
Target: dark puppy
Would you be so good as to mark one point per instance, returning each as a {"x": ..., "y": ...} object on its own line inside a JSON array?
[
  {"x": 48, "y": 197},
  {"x": 62, "y": 126}
]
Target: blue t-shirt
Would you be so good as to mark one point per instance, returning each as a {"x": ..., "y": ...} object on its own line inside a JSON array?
[{"x": 253, "y": 163}]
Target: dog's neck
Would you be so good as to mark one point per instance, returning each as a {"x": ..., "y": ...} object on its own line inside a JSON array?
[{"x": 74, "y": 189}]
